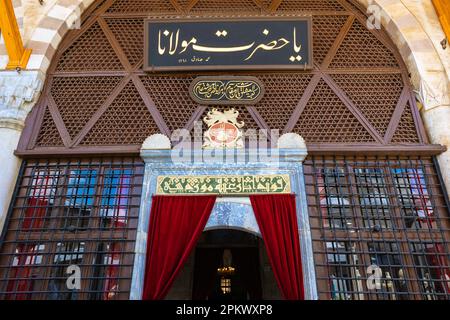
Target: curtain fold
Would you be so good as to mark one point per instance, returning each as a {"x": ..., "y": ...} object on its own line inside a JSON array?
[
  {"x": 277, "y": 220},
  {"x": 176, "y": 223}
]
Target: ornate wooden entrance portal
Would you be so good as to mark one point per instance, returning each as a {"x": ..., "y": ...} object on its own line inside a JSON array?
[{"x": 374, "y": 190}]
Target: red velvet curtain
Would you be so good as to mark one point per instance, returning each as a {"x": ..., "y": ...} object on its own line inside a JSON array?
[
  {"x": 176, "y": 223},
  {"x": 277, "y": 220}
]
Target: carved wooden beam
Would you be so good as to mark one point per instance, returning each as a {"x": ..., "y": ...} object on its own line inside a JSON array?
[
  {"x": 191, "y": 4},
  {"x": 274, "y": 5},
  {"x": 18, "y": 55}
]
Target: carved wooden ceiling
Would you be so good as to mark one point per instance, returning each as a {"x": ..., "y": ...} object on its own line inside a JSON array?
[{"x": 97, "y": 99}]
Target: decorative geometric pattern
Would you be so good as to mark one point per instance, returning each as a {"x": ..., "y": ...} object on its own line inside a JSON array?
[
  {"x": 171, "y": 96},
  {"x": 49, "y": 135},
  {"x": 217, "y": 6},
  {"x": 283, "y": 92},
  {"x": 130, "y": 35},
  {"x": 139, "y": 6},
  {"x": 309, "y": 5},
  {"x": 376, "y": 95},
  {"x": 90, "y": 52},
  {"x": 326, "y": 29},
  {"x": 361, "y": 49},
  {"x": 126, "y": 121},
  {"x": 78, "y": 98},
  {"x": 406, "y": 130},
  {"x": 327, "y": 119}
]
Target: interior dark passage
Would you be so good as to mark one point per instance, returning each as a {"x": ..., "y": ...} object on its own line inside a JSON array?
[{"x": 207, "y": 276}]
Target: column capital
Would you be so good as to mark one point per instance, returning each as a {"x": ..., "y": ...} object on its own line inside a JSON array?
[{"x": 18, "y": 94}]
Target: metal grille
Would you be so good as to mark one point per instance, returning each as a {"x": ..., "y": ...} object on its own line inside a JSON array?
[
  {"x": 388, "y": 213},
  {"x": 357, "y": 108},
  {"x": 68, "y": 214}
]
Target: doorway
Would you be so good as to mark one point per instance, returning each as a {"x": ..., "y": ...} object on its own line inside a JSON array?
[
  {"x": 253, "y": 278},
  {"x": 227, "y": 266}
]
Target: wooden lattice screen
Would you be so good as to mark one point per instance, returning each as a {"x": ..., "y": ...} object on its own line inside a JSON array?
[{"x": 98, "y": 99}]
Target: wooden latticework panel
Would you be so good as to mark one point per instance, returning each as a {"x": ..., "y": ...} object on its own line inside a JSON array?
[
  {"x": 284, "y": 91},
  {"x": 310, "y": 5},
  {"x": 217, "y": 6},
  {"x": 327, "y": 119},
  {"x": 326, "y": 29},
  {"x": 406, "y": 130},
  {"x": 127, "y": 121},
  {"x": 78, "y": 98},
  {"x": 49, "y": 135},
  {"x": 354, "y": 93},
  {"x": 91, "y": 52},
  {"x": 129, "y": 34},
  {"x": 171, "y": 96},
  {"x": 362, "y": 49},
  {"x": 138, "y": 6},
  {"x": 375, "y": 95}
]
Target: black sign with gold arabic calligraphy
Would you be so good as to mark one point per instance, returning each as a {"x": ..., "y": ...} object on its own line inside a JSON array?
[
  {"x": 224, "y": 185},
  {"x": 226, "y": 90},
  {"x": 281, "y": 43}
]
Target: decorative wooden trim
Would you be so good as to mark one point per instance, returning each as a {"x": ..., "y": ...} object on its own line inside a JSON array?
[
  {"x": 274, "y": 5},
  {"x": 421, "y": 133},
  {"x": 191, "y": 4},
  {"x": 396, "y": 116},
  {"x": 176, "y": 5},
  {"x": 313, "y": 149},
  {"x": 337, "y": 43},
  {"x": 73, "y": 35},
  {"x": 53, "y": 108},
  {"x": 115, "y": 44},
  {"x": 360, "y": 149},
  {"x": 33, "y": 125}
]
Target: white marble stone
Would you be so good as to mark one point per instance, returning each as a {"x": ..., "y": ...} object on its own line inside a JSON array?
[
  {"x": 18, "y": 93},
  {"x": 156, "y": 142},
  {"x": 9, "y": 169},
  {"x": 291, "y": 141}
]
